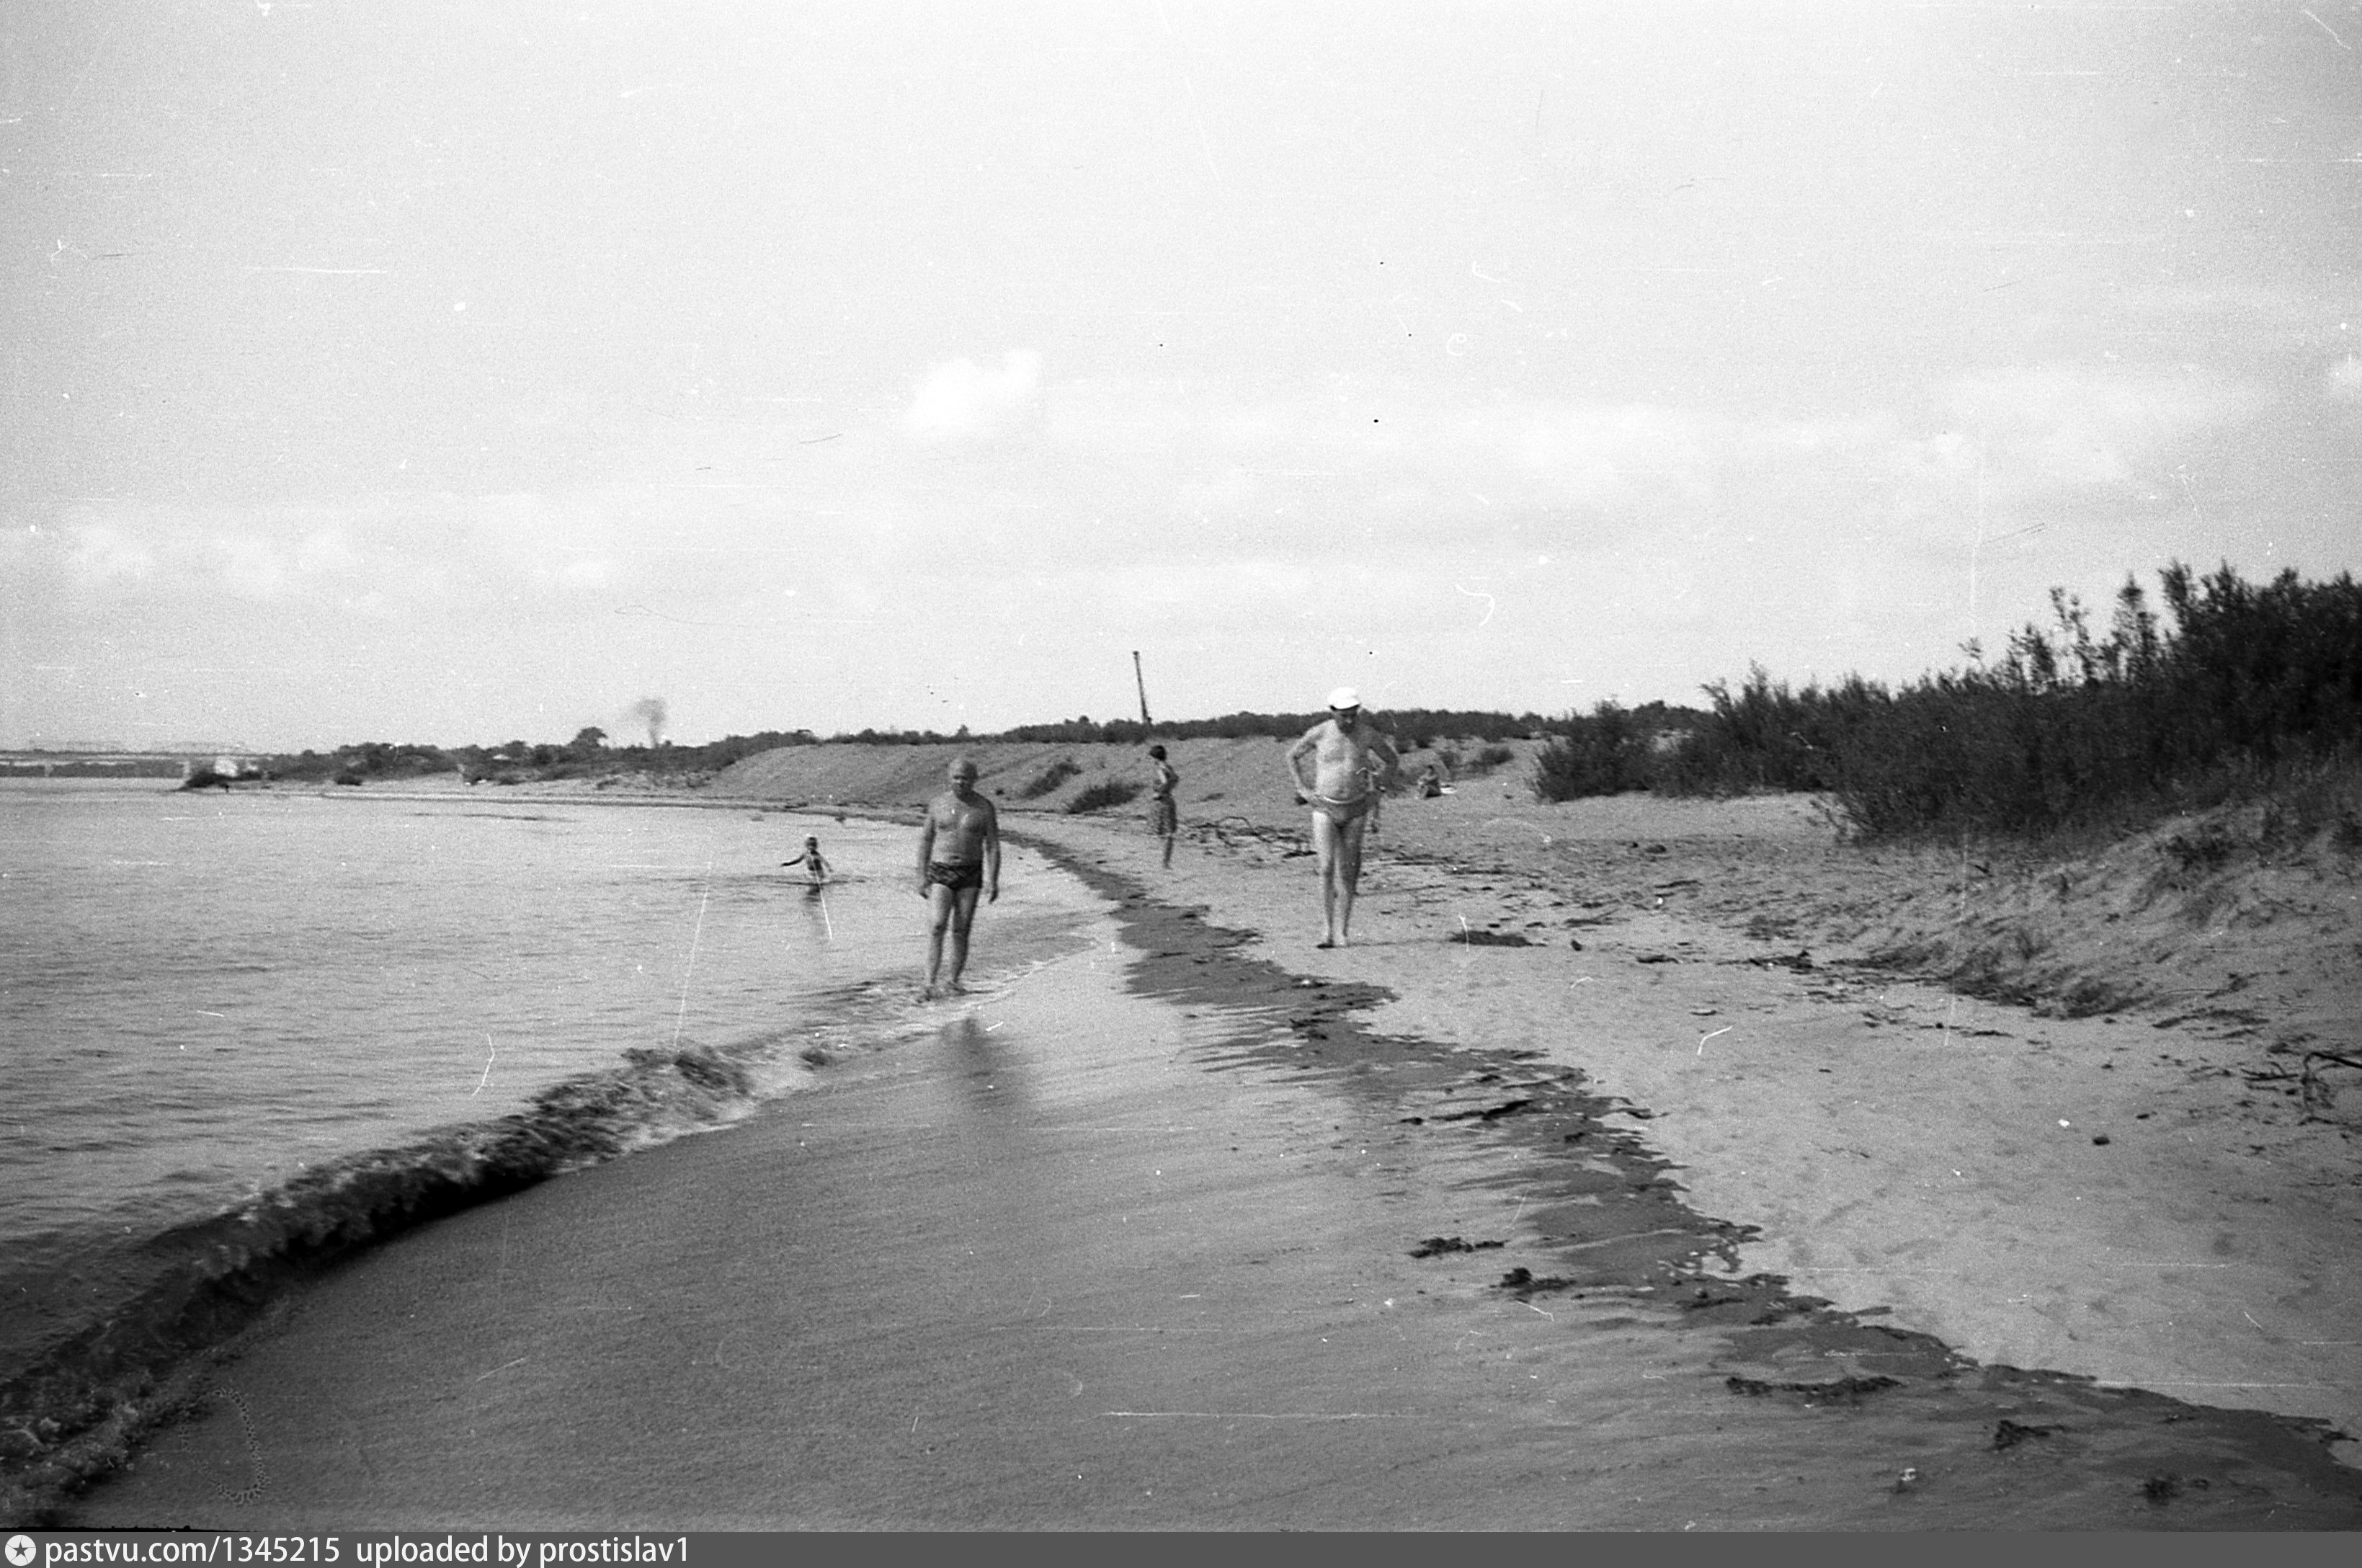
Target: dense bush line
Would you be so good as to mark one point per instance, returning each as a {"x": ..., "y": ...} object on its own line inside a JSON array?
[
  {"x": 2238, "y": 683},
  {"x": 587, "y": 755}
]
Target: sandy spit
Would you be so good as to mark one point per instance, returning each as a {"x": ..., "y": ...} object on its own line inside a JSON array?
[
  {"x": 2088, "y": 1115},
  {"x": 2097, "y": 1115}
]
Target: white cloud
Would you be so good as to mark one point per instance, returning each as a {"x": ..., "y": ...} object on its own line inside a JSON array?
[
  {"x": 566, "y": 544},
  {"x": 1600, "y": 455},
  {"x": 326, "y": 552},
  {"x": 2345, "y": 378},
  {"x": 2063, "y": 425},
  {"x": 963, "y": 402},
  {"x": 250, "y": 567},
  {"x": 102, "y": 555}
]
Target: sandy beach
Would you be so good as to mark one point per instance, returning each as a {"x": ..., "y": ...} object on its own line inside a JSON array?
[{"x": 1603, "y": 1183}]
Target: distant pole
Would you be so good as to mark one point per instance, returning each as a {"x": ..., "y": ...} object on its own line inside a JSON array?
[{"x": 1142, "y": 682}]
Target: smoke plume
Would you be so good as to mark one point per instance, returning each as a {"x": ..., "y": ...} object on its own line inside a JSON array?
[{"x": 649, "y": 712}]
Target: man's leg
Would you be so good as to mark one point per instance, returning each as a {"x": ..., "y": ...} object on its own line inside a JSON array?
[
  {"x": 1324, "y": 853},
  {"x": 1349, "y": 874},
  {"x": 939, "y": 914},
  {"x": 962, "y": 916}
]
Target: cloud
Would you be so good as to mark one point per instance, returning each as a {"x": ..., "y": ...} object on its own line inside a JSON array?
[
  {"x": 2345, "y": 378},
  {"x": 250, "y": 567},
  {"x": 962, "y": 402},
  {"x": 102, "y": 555},
  {"x": 1595, "y": 455},
  {"x": 366, "y": 555},
  {"x": 2069, "y": 427},
  {"x": 566, "y": 544}
]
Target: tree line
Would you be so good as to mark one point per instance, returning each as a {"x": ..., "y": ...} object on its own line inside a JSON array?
[{"x": 589, "y": 753}]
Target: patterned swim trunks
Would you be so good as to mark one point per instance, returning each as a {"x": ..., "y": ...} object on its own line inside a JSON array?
[{"x": 955, "y": 875}]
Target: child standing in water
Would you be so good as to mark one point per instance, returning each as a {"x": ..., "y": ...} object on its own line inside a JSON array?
[{"x": 815, "y": 868}]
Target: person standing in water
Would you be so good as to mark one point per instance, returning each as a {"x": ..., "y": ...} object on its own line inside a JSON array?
[
  {"x": 1164, "y": 813},
  {"x": 1352, "y": 761},
  {"x": 959, "y": 857},
  {"x": 815, "y": 868}
]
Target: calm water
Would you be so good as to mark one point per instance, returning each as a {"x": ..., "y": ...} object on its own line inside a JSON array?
[{"x": 222, "y": 1005}]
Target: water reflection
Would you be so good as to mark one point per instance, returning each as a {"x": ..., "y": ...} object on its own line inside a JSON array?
[{"x": 987, "y": 1063}]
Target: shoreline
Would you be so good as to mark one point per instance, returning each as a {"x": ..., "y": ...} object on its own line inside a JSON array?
[
  {"x": 2225, "y": 1293},
  {"x": 1641, "y": 1099},
  {"x": 2207, "y": 1203},
  {"x": 1463, "y": 1269}
]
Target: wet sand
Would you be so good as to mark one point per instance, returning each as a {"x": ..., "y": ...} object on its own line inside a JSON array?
[{"x": 1173, "y": 1236}]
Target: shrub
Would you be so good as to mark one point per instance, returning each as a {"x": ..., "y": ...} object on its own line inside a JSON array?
[
  {"x": 1605, "y": 754},
  {"x": 1049, "y": 778},
  {"x": 1106, "y": 792},
  {"x": 2249, "y": 685}
]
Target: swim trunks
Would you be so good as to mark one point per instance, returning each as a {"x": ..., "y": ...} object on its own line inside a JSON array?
[
  {"x": 956, "y": 875},
  {"x": 1340, "y": 812},
  {"x": 1163, "y": 817}
]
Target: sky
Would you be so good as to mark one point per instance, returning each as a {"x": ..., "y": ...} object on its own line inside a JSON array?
[{"x": 461, "y": 372}]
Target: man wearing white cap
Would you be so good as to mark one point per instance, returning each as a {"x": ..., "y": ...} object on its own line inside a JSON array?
[{"x": 1352, "y": 762}]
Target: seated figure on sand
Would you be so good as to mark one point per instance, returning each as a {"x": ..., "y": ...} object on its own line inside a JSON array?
[
  {"x": 959, "y": 856},
  {"x": 1353, "y": 761}
]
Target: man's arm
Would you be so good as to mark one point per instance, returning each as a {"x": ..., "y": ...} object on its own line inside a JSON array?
[
  {"x": 991, "y": 852},
  {"x": 1295, "y": 753},
  {"x": 1385, "y": 747},
  {"x": 926, "y": 847}
]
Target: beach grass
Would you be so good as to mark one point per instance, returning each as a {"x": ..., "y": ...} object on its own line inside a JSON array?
[{"x": 1105, "y": 794}]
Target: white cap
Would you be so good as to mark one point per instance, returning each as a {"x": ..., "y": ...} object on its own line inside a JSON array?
[{"x": 1344, "y": 697}]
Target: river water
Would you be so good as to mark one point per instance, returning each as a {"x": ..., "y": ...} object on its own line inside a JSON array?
[{"x": 238, "y": 1025}]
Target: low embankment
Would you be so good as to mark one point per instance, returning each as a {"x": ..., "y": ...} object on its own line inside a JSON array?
[
  {"x": 2240, "y": 919},
  {"x": 1245, "y": 778}
]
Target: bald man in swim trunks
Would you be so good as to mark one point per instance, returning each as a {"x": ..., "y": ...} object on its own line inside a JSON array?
[
  {"x": 959, "y": 856},
  {"x": 1352, "y": 761}
]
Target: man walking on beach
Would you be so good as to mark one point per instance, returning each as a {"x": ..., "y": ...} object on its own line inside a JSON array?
[
  {"x": 1352, "y": 762},
  {"x": 959, "y": 856}
]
